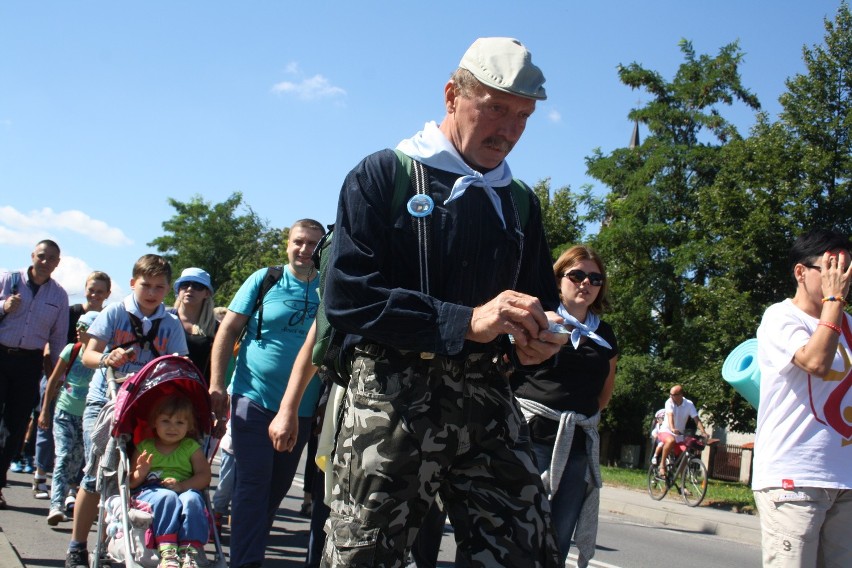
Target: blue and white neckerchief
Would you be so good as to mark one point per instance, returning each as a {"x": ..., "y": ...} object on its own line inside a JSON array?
[
  {"x": 432, "y": 148},
  {"x": 588, "y": 328}
]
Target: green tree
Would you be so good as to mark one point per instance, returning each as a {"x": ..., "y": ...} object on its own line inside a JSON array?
[
  {"x": 817, "y": 110},
  {"x": 653, "y": 239},
  {"x": 228, "y": 240},
  {"x": 562, "y": 223}
]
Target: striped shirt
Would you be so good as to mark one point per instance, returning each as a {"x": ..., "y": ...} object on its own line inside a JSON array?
[{"x": 39, "y": 320}]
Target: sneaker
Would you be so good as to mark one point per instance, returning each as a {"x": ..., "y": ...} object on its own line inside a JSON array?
[
  {"x": 28, "y": 465},
  {"x": 169, "y": 556},
  {"x": 69, "y": 505},
  {"x": 77, "y": 558},
  {"x": 654, "y": 460},
  {"x": 188, "y": 557},
  {"x": 55, "y": 516},
  {"x": 40, "y": 489},
  {"x": 16, "y": 466}
]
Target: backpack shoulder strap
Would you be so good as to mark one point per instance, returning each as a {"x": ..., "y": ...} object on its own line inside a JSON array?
[
  {"x": 521, "y": 193},
  {"x": 273, "y": 275},
  {"x": 75, "y": 351},
  {"x": 145, "y": 340},
  {"x": 402, "y": 180}
]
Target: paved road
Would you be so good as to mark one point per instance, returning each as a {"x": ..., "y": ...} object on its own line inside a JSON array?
[{"x": 37, "y": 544}]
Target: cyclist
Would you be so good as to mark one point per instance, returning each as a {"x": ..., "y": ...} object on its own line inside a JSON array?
[{"x": 678, "y": 411}]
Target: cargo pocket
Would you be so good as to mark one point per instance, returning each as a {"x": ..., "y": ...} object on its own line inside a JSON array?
[{"x": 353, "y": 544}]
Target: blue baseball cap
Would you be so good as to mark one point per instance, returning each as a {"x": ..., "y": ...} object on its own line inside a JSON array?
[
  {"x": 87, "y": 319},
  {"x": 194, "y": 275}
]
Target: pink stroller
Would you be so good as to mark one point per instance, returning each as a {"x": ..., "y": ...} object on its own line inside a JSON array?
[{"x": 122, "y": 423}]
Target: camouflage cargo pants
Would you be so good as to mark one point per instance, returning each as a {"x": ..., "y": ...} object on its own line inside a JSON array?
[{"x": 413, "y": 427}]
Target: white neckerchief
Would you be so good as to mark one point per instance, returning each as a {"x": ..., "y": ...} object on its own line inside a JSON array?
[
  {"x": 431, "y": 147},
  {"x": 132, "y": 307},
  {"x": 588, "y": 328}
]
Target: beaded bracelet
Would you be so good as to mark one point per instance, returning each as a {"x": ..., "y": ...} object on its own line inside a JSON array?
[
  {"x": 830, "y": 325},
  {"x": 834, "y": 299}
]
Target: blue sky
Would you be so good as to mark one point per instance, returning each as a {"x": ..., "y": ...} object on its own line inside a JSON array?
[{"x": 107, "y": 109}]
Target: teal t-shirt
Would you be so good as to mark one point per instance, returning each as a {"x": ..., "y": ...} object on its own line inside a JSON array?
[
  {"x": 263, "y": 367},
  {"x": 72, "y": 397},
  {"x": 177, "y": 464}
]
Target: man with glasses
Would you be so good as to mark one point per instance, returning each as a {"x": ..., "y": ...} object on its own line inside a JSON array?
[
  {"x": 263, "y": 475},
  {"x": 678, "y": 411}
]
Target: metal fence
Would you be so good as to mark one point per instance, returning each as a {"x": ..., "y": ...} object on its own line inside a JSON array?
[{"x": 726, "y": 462}]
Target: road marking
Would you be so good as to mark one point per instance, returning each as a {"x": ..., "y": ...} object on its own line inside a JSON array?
[{"x": 594, "y": 563}]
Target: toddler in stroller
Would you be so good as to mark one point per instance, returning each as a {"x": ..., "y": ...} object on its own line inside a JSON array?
[
  {"x": 169, "y": 471},
  {"x": 162, "y": 410}
]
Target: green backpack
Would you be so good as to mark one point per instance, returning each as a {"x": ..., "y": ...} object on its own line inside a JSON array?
[{"x": 329, "y": 342}]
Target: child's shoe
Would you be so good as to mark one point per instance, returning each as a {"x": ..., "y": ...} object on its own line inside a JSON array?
[
  {"x": 55, "y": 516},
  {"x": 69, "y": 504},
  {"x": 40, "y": 489},
  {"x": 169, "y": 556},
  {"x": 188, "y": 557},
  {"x": 77, "y": 558},
  {"x": 28, "y": 465},
  {"x": 17, "y": 466}
]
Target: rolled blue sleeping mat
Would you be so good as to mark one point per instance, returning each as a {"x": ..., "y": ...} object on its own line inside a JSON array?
[{"x": 740, "y": 370}]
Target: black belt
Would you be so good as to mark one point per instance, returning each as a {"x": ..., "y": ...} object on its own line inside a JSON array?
[
  {"x": 18, "y": 352},
  {"x": 383, "y": 351}
]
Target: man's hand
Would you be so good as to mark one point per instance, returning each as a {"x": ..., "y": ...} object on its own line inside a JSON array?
[
  {"x": 510, "y": 312},
  {"x": 219, "y": 403},
  {"x": 546, "y": 346},
  {"x": 11, "y": 303},
  {"x": 284, "y": 430}
]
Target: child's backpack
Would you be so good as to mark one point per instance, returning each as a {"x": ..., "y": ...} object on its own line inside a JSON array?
[
  {"x": 327, "y": 352},
  {"x": 145, "y": 340}
]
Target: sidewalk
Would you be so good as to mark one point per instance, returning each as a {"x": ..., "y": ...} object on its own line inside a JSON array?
[{"x": 673, "y": 511}]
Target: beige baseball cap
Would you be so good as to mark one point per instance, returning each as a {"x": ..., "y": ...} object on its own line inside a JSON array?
[{"x": 503, "y": 63}]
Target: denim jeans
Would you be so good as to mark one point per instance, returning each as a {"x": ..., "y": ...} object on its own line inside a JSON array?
[
  {"x": 44, "y": 448},
  {"x": 225, "y": 488},
  {"x": 68, "y": 441},
  {"x": 567, "y": 501},
  {"x": 178, "y": 517}
]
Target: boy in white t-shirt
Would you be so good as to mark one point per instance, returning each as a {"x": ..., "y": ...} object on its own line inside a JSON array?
[{"x": 803, "y": 448}]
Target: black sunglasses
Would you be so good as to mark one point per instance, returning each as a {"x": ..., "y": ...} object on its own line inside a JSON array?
[
  {"x": 577, "y": 277},
  {"x": 190, "y": 284}
]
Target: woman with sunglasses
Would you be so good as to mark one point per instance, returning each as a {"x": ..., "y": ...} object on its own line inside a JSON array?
[
  {"x": 194, "y": 309},
  {"x": 562, "y": 403}
]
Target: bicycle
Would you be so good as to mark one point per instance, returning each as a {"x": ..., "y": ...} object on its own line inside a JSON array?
[{"x": 686, "y": 472}]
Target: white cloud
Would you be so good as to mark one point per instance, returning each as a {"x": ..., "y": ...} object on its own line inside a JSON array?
[
  {"x": 71, "y": 274},
  {"x": 18, "y": 228},
  {"x": 308, "y": 88},
  {"x": 554, "y": 116}
]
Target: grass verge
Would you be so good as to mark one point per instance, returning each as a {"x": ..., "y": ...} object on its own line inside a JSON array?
[{"x": 720, "y": 494}]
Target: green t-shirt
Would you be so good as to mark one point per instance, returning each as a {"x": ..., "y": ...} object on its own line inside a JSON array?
[{"x": 177, "y": 464}]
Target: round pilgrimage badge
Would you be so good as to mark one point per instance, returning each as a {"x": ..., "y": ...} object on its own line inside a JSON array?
[{"x": 420, "y": 205}]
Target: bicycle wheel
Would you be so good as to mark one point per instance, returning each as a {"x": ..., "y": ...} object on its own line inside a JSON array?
[
  {"x": 694, "y": 482},
  {"x": 657, "y": 486}
]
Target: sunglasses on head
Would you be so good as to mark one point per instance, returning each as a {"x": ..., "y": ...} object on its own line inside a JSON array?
[
  {"x": 190, "y": 284},
  {"x": 577, "y": 277}
]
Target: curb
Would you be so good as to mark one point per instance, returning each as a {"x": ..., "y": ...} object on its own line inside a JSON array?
[
  {"x": 8, "y": 555},
  {"x": 689, "y": 522}
]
